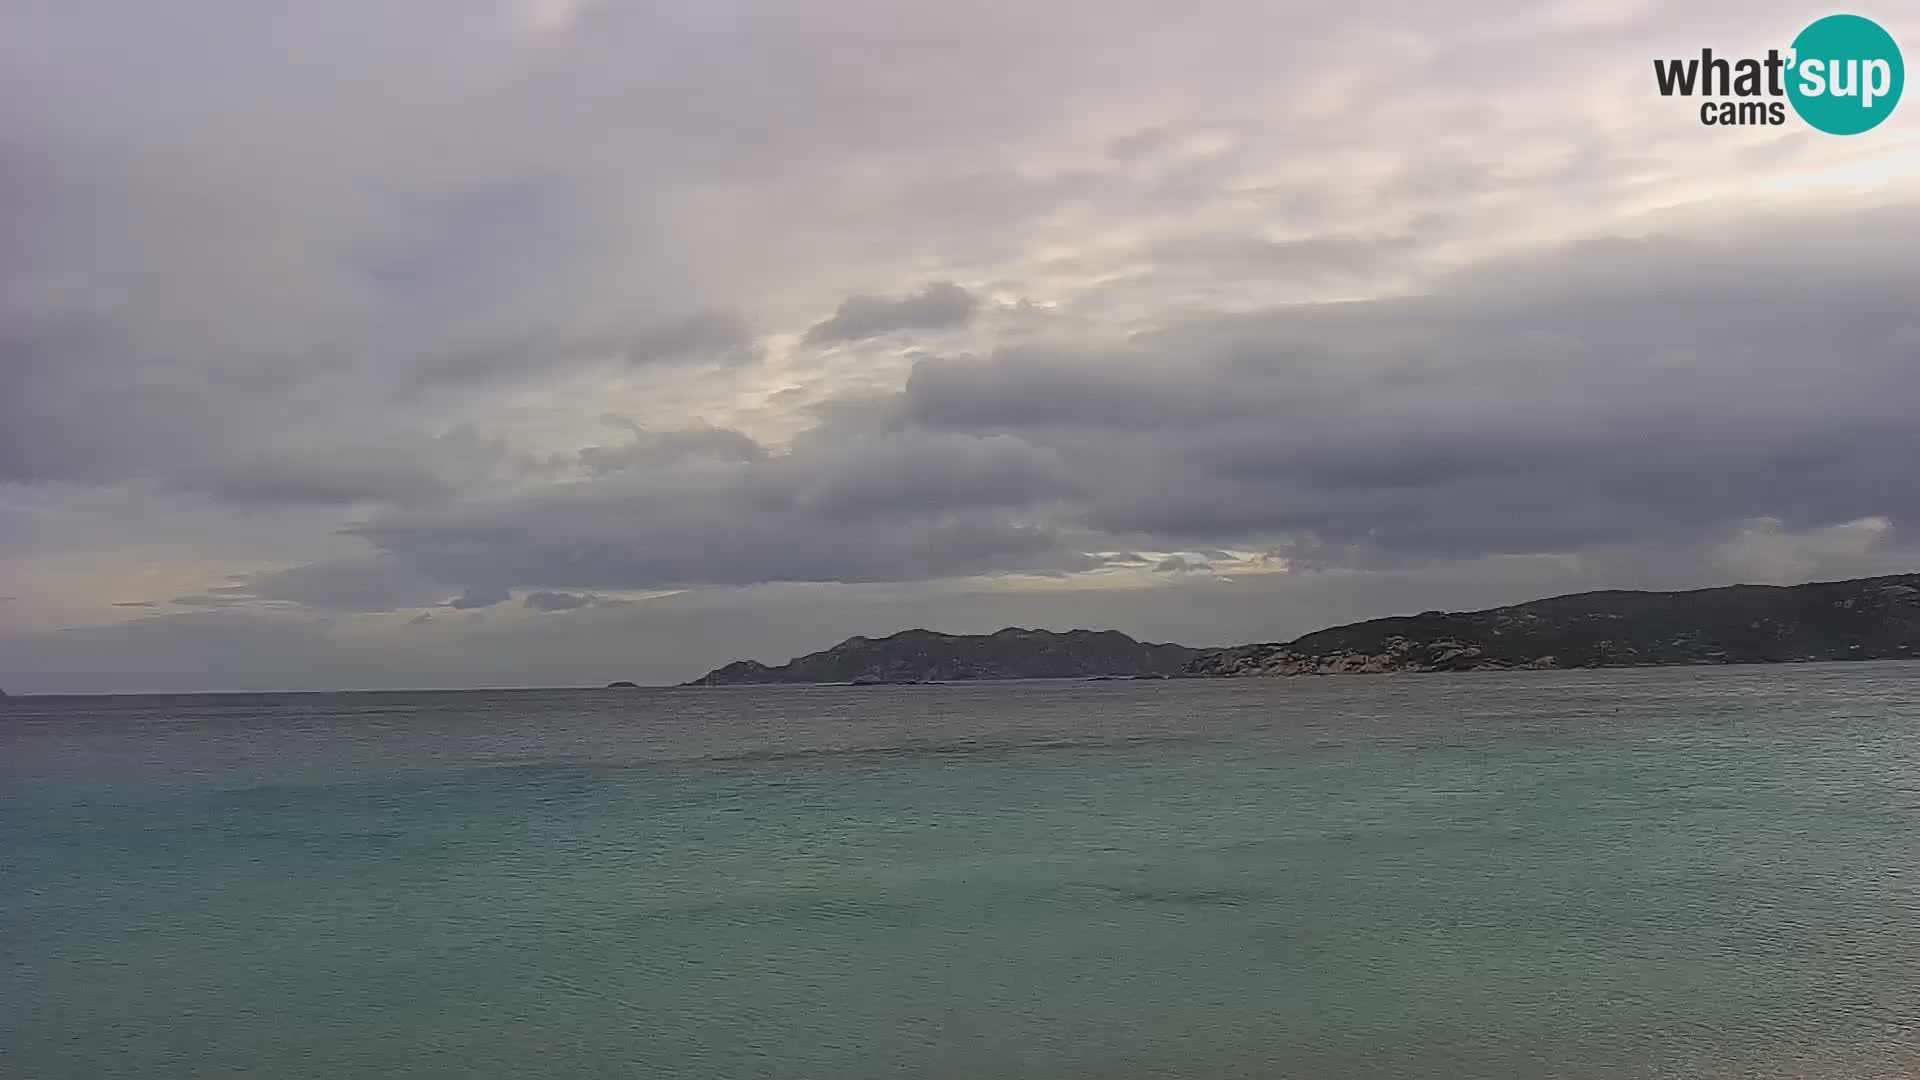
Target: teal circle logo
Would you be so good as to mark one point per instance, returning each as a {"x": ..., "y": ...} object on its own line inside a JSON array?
[{"x": 1846, "y": 74}]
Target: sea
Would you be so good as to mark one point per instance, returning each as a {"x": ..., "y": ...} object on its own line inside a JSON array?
[{"x": 1685, "y": 872}]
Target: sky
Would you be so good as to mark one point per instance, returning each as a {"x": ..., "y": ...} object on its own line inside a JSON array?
[{"x": 450, "y": 343}]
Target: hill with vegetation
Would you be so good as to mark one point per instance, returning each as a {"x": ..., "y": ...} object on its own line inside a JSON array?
[{"x": 1866, "y": 619}]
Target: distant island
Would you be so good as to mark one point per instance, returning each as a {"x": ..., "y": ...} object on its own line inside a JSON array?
[
  {"x": 1866, "y": 619},
  {"x": 922, "y": 656}
]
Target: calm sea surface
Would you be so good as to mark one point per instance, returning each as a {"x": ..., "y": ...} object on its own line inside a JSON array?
[{"x": 1675, "y": 873}]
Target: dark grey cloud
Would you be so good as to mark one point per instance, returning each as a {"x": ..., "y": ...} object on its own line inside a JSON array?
[
  {"x": 86, "y": 405},
  {"x": 301, "y": 470},
  {"x": 890, "y": 507},
  {"x": 905, "y": 506},
  {"x": 480, "y": 596},
  {"x": 559, "y": 601},
  {"x": 360, "y": 584},
  {"x": 669, "y": 447},
  {"x": 864, "y": 477},
  {"x": 942, "y": 305},
  {"x": 707, "y": 335},
  {"x": 704, "y": 338},
  {"x": 1646, "y": 390},
  {"x": 211, "y": 599},
  {"x": 54, "y": 367}
]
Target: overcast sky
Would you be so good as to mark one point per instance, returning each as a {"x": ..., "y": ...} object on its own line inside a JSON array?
[{"x": 471, "y": 342}]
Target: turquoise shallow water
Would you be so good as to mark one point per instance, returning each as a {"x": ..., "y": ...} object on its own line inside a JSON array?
[{"x": 1691, "y": 872}]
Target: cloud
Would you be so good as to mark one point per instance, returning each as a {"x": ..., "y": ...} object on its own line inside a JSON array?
[
  {"x": 707, "y": 335},
  {"x": 402, "y": 469},
  {"x": 1766, "y": 551},
  {"x": 671, "y": 447},
  {"x": 867, "y": 508},
  {"x": 559, "y": 601},
  {"x": 212, "y": 599},
  {"x": 940, "y": 306},
  {"x": 358, "y": 584},
  {"x": 1646, "y": 391},
  {"x": 703, "y": 338},
  {"x": 480, "y": 597},
  {"x": 1176, "y": 564},
  {"x": 1651, "y": 392}
]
